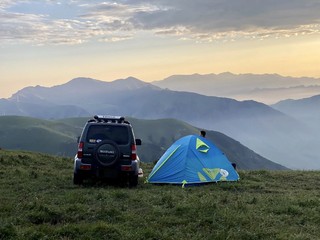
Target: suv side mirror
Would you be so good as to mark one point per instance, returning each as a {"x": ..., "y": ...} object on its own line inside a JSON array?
[{"x": 138, "y": 142}]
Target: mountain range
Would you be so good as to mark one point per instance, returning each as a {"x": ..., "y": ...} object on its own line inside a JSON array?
[
  {"x": 277, "y": 135},
  {"x": 266, "y": 88}
]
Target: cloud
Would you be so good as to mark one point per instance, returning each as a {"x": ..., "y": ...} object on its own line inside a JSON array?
[
  {"x": 92, "y": 22},
  {"x": 205, "y": 20},
  {"x": 36, "y": 29},
  {"x": 221, "y": 19}
]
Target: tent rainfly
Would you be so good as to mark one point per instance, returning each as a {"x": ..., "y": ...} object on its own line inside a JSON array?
[{"x": 192, "y": 160}]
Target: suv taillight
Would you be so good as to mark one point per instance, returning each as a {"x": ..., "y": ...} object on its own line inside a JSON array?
[
  {"x": 133, "y": 152},
  {"x": 80, "y": 150}
]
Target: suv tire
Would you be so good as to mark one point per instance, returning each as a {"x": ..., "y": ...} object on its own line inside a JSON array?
[
  {"x": 77, "y": 180},
  {"x": 107, "y": 153},
  {"x": 133, "y": 181}
]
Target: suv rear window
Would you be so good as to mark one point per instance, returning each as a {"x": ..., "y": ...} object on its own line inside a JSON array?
[{"x": 98, "y": 133}]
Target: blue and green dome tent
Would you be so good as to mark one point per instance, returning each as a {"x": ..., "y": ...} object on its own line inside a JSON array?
[{"x": 192, "y": 160}]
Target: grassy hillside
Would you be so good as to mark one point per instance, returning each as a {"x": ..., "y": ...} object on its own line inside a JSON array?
[
  {"x": 39, "y": 201},
  {"x": 33, "y": 134},
  {"x": 58, "y": 137}
]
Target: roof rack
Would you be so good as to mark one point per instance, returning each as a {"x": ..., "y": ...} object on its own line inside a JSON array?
[{"x": 108, "y": 119}]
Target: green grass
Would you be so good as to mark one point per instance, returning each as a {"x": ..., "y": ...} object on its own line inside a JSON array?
[{"x": 39, "y": 201}]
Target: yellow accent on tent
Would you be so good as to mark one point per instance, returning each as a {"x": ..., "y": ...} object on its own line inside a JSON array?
[
  {"x": 201, "y": 177},
  {"x": 223, "y": 178},
  {"x": 184, "y": 182},
  {"x": 212, "y": 173},
  {"x": 200, "y": 144}
]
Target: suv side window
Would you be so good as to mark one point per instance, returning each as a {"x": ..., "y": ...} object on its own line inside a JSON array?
[{"x": 98, "y": 133}]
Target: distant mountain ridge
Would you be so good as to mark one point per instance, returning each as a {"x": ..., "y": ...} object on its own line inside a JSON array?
[
  {"x": 76, "y": 89},
  {"x": 266, "y": 88},
  {"x": 267, "y": 131},
  {"x": 76, "y": 98}
]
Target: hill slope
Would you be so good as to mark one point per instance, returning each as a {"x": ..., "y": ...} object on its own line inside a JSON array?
[
  {"x": 59, "y": 138},
  {"x": 158, "y": 135},
  {"x": 39, "y": 201},
  {"x": 38, "y": 135}
]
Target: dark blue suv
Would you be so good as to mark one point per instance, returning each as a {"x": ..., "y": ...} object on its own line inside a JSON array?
[{"x": 107, "y": 150}]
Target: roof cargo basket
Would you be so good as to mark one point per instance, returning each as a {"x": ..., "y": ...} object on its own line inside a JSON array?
[{"x": 110, "y": 119}]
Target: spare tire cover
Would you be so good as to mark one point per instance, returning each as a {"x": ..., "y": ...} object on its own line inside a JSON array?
[{"x": 107, "y": 153}]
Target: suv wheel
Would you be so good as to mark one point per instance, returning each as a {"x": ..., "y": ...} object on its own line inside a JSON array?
[
  {"x": 77, "y": 180},
  {"x": 107, "y": 153},
  {"x": 133, "y": 180}
]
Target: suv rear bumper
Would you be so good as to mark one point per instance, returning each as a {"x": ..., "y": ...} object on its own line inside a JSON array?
[{"x": 99, "y": 171}]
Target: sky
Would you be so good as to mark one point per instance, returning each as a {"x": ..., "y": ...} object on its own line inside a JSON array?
[{"x": 50, "y": 42}]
